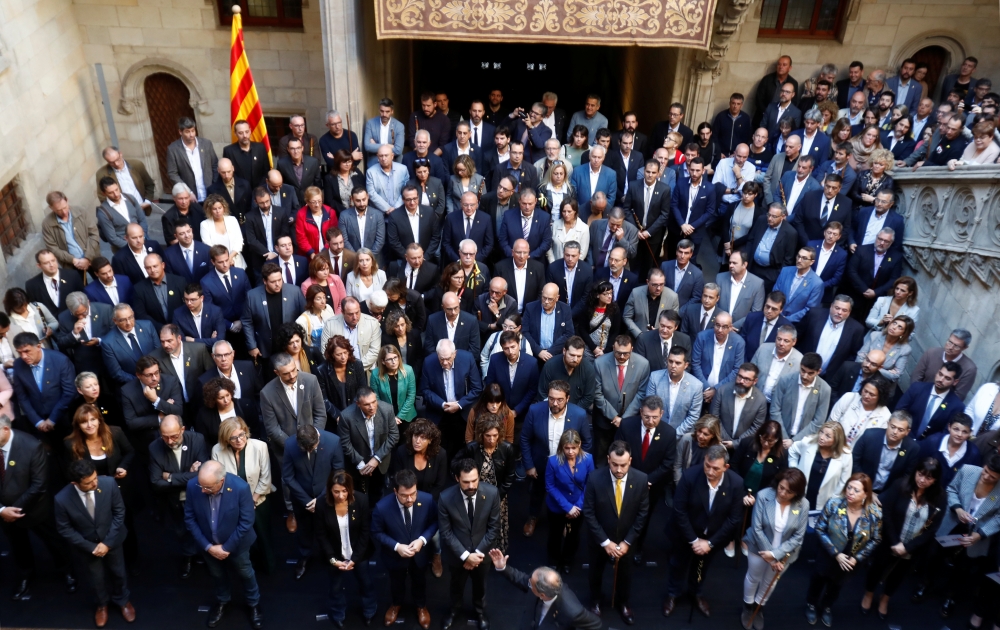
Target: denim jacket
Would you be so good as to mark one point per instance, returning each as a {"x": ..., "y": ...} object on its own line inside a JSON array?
[{"x": 833, "y": 526}]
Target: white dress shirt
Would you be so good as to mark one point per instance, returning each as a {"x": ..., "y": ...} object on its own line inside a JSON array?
[
  {"x": 593, "y": 179},
  {"x": 520, "y": 282},
  {"x": 774, "y": 372},
  {"x": 828, "y": 340},
  {"x": 178, "y": 363},
  {"x": 121, "y": 208},
  {"x": 624, "y": 482},
  {"x": 803, "y": 396},
  {"x": 194, "y": 159},
  {"x": 52, "y": 286},
  {"x": 740, "y": 402},
  {"x": 140, "y": 259},
  {"x": 556, "y": 424},
  {"x": 717, "y": 354},
  {"x": 952, "y": 459},
  {"x": 824, "y": 258},
  {"x": 795, "y": 193},
  {"x": 734, "y": 291},
  {"x": 234, "y": 379},
  {"x": 344, "y": 522},
  {"x": 127, "y": 184},
  {"x": 452, "y": 327},
  {"x": 293, "y": 396}
]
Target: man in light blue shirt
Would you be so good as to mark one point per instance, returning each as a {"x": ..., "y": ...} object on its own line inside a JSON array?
[
  {"x": 385, "y": 183},
  {"x": 762, "y": 255},
  {"x": 589, "y": 117}
]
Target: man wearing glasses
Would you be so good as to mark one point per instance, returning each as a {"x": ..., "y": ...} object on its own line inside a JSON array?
[
  {"x": 493, "y": 308},
  {"x": 717, "y": 355},
  {"x": 552, "y": 148},
  {"x": 529, "y": 130},
  {"x": 801, "y": 286},
  {"x": 243, "y": 376},
  {"x": 470, "y": 224}
]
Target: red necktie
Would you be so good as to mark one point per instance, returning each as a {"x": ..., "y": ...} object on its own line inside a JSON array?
[
  {"x": 645, "y": 444},
  {"x": 621, "y": 377},
  {"x": 336, "y": 265}
]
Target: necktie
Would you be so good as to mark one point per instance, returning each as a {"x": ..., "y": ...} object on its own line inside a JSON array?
[
  {"x": 288, "y": 273},
  {"x": 55, "y": 286},
  {"x": 763, "y": 332},
  {"x": 603, "y": 254},
  {"x": 931, "y": 408},
  {"x": 91, "y": 508},
  {"x": 189, "y": 260},
  {"x": 621, "y": 377},
  {"x": 826, "y": 211},
  {"x": 526, "y": 226},
  {"x": 336, "y": 265},
  {"x": 136, "y": 349},
  {"x": 468, "y": 226},
  {"x": 407, "y": 519},
  {"x": 475, "y": 135},
  {"x": 472, "y": 510},
  {"x": 704, "y": 322},
  {"x": 645, "y": 444},
  {"x": 618, "y": 496},
  {"x": 413, "y": 279},
  {"x": 229, "y": 285},
  {"x": 666, "y": 352}
]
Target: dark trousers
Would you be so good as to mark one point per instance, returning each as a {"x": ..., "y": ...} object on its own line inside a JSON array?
[
  {"x": 110, "y": 568},
  {"x": 452, "y": 433},
  {"x": 241, "y": 563},
  {"x": 687, "y": 569},
  {"x": 371, "y": 485},
  {"x": 537, "y": 497},
  {"x": 564, "y": 539},
  {"x": 304, "y": 536},
  {"x": 262, "y": 551},
  {"x": 603, "y": 437},
  {"x": 418, "y": 584},
  {"x": 826, "y": 581},
  {"x": 18, "y": 536},
  {"x": 183, "y": 539},
  {"x": 952, "y": 568},
  {"x": 887, "y": 569},
  {"x": 655, "y": 498},
  {"x": 337, "y": 597},
  {"x": 459, "y": 576},
  {"x": 598, "y": 561}
]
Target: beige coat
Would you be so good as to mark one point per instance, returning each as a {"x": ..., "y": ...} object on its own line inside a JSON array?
[
  {"x": 84, "y": 231},
  {"x": 258, "y": 466}
]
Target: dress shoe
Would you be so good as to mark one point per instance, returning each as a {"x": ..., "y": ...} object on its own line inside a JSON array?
[
  {"x": 300, "y": 568},
  {"x": 703, "y": 606},
  {"x": 627, "y": 615},
  {"x": 436, "y": 569},
  {"x": 730, "y": 553},
  {"x": 101, "y": 616},
  {"x": 256, "y": 616},
  {"x": 423, "y": 618},
  {"x": 186, "y": 568},
  {"x": 758, "y": 621},
  {"x": 596, "y": 609},
  {"x": 669, "y": 603},
  {"x": 215, "y": 614},
  {"x": 369, "y": 620},
  {"x": 919, "y": 594},
  {"x": 637, "y": 559},
  {"x": 448, "y": 621},
  {"x": 21, "y": 591},
  {"x": 947, "y": 608},
  {"x": 827, "y": 617},
  {"x": 291, "y": 524},
  {"x": 390, "y": 615},
  {"x": 529, "y": 527},
  {"x": 70, "y": 583},
  {"x": 482, "y": 623},
  {"x": 811, "y": 614},
  {"x": 745, "y": 616},
  {"x": 337, "y": 622},
  {"x": 128, "y": 612},
  {"x": 865, "y": 611}
]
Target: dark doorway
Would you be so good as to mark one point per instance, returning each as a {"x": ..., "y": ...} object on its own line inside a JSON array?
[
  {"x": 937, "y": 60},
  {"x": 523, "y": 71},
  {"x": 167, "y": 99}
]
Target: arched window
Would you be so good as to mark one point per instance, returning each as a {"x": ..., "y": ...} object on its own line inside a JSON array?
[{"x": 811, "y": 19}]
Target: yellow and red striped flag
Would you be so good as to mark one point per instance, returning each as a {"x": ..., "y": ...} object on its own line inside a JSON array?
[{"x": 243, "y": 101}]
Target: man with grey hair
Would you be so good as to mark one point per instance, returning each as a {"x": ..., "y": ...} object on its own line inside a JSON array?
[
  {"x": 594, "y": 178},
  {"x": 874, "y": 87},
  {"x": 552, "y": 149},
  {"x": 70, "y": 233},
  {"x": 241, "y": 373},
  {"x": 607, "y": 234},
  {"x": 131, "y": 176},
  {"x": 493, "y": 307},
  {"x": 954, "y": 349},
  {"x": 130, "y": 340},
  {"x": 375, "y": 304},
  {"x": 289, "y": 401},
  {"x": 556, "y": 605},
  {"x": 872, "y": 272},
  {"x": 528, "y": 129},
  {"x": 589, "y": 117},
  {"x": 450, "y": 382},
  {"x": 368, "y": 434},
  {"x": 555, "y": 117},
  {"x": 815, "y": 143},
  {"x": 335, "y": 139},
  {"x": 471, "y": 225},
  {"x": 297, "y": 131},
  {"x": 191, "y": 159},
  {"x": 81, "y": 327},
  {"x": 186, "y": 209}
]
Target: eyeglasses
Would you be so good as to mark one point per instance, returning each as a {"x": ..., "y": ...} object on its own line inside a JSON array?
[
  {"x": 220, "y": 355},
  {"x": 237, "y": 437}
]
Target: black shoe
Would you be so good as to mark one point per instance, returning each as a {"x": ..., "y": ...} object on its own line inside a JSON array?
[
  {"x": 827, "y": 617},
  {"x": 482, "y": 623},
  {"x": 300, "y": 568},
  {"x": 70, "y": 583},
  {"x": 448, "y": 621},
  {"x": 637, "y": 559},
  {"x": 866, "y": 611},
  {"x": 947, "y": 608},
  {"x": 811, "y": 614},
  {"x": 256, "y": 617},
  {"x": 215, "y": 614},
  {"x": 919, "y": 594},
  {"x": 186, "y": 567},
  {"x": 21, "y": 591},
  {"x": 338, "y": 623},
  {"x": 368, "y": 621},
  {"x": 596, "y": 609}
]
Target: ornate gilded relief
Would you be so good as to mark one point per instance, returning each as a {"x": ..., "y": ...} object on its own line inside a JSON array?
[{"x": 611, "y": 22}]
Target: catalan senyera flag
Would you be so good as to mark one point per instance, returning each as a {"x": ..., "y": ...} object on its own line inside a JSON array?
[{"x": 243, "y": 101}]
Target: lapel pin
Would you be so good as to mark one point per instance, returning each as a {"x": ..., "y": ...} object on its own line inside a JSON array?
[
  {"x": 170, "y": 292},
  {"x": 656, "y": 438},
  {"x": 229, "y": 489},
  {"x": 11, "y": 462},
  {"x": 184, "y": 448},
  {"x": 98, "y": 491},
  {"x": 795, "y": 512},
  {"x": 264, "y": 302},
  {"x": 902, "y": 453},
  {"x": 770, "y": 460},
  {"x": 419, "y": 504},
  {"x": 815, "y": 391}
]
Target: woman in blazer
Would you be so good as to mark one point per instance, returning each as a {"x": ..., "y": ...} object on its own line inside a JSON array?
[
  {"x": 691, "y": 447},
  {"x": 366, "y": 278},
  {"x": 220, "y": 405},
  {"x": 565, "y": 481},
  {"x": 912, "y": 509},
  {"x": 895, "y": 342},
  {"x": 873, "y": 180},
  {"x": 465, "y": 179},
  {"x": 340, "y": 181},
  {"x": 431, "y": 189},
  {"x": 568, "y": 226},
  {"x": 780, "y": 518},
  {"x": 757, "y": 461},
  {"x": 394, "y": 383},
  {"x": 329, "y": 283},
  {"x": 339, "y": 378},
  {"x": 849, "y": 529},
  {"x": 903, "y": 301},
  {"x": 495, "y": 460},
  {"x": 826, "y": 462},
  {"x": 28, "y": 316},
  {"x": 88, "y": 386},
  {"x": 865, "y": 409},
  {"x": 398, "y": 331},
  {"x": 600, "y": 321},
  {"x": 343, "y": 531},
  {"x": 248, "y": 459},
  {"x": 555, "y": 189},
  {"x": 221, "y": 228},
  {"x": 312, "y": 222}
]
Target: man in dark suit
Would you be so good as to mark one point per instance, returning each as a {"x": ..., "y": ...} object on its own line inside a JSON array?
[
  {"x": 762, "y": 327},
  {"x": 521, "y": 270},
  {"x": 174, "y": 459},
  {"x": 674, "y": 122},
  {"x": 159, "y": 294},
  {"x": 494, "y": 307},
  {"x": 239, "y": 200},
  {"x": 462, "y": 142},
  {"x": 537, "y": 223},
  {"x": 819, "y": 142},
  {"x": 284, "y": 193},
  {"x": 654, "y": 446},
  {"x": 244, "y": 377},
  {"x": 184, "y": 361},
  {"x": 555, "y": 606},
  {"x": 470, "y": 223},
  {"x": 887, "y": 454},
  {"x": 615, "y": 510},
  {"x": 264, "y": 225},
  {"x": 697, "y": 317},
  {"x": 771, "y": 245},
  {"x": 708, "y": 506},
  {"x": 647, "y": 207},
  {"x": 187, "y": 258},
  {"x": 267, "y": 307},
  {"x": 878, "y": 217},
  {"x": 469, "y": 522},
  {"x": 299, "y": 171},
  {"x": 129, "y": 261},
  {"x": 227, "y": 287},
  {"x": 51, "y": 286},
  {"x": 838, "y": 166},
  {"x": 852, "y": 373},
  {"x": 184, "y": 208},
  {"x": 422, "y": 150},
  {"x": 81, "y": 327},
  {"x": 685, "y": 278},
  {"x": 571, "y": 275},
  {"x": 454, "y": 324},
  {"x": 198, "y": 321},
  {"x": 818, "y": 208},
  {"x": 43, "y": 384},
  {"x": 932, "y": 404},
  {"x": 110, "y": 288},
  {"x": 528, "y": 129},
  {"x": 450, "y": 383},
  {"x": 854, "y": 82},
  {"x": 832, "y": 333},
  {"x": 190, "y": 147},
  {"x": 249, "y": 159},
  {"x": 368, "y": 456},
  {"x": 150, "y": 398},
  {"x": 427, "y": 274},
  {"x": 630, "y": 124},
  {"x": 693, "y": 205},
  {"x": 655, "y": 345},
  {"x": 281, "y": 418},
  {"x": 624, "y": 160},
  {"x": 517, "y": 388},
  {"x": 127, "y": 343},
  {"x": 872, "y": 270},
  {"x": 219, "y": 513},
  {"x": 831, "y": 259},
  {"x": 310, "y": 455},
  {"x": 94, "y": 528},
  {"x": 521, "y": 172},
  {"x": 27, "y": 506},
  {"x": 703, "y": 357},
  {"x": 547, "y": 342},
  {"x": 399, "y": 233},
  {"x": 294, "y": 268},
  {"x": 403, "y": 523},
  {"x": 783, "y": 109},
  {"x": 616, "y": 272}
]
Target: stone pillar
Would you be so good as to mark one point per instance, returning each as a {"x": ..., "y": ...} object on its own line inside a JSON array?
[{"x": 343, "y": 26}]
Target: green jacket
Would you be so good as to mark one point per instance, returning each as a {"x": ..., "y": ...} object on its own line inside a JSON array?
[{"x": 407, "y": 391}]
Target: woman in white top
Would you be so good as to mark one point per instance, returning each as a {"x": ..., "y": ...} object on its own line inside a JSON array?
[
  {"x": 220, "y": 228},
  {"x": 903, "y": 301},
  {"x": 569, "y": 227},
  {"x": 555, "y": 187},
  {"x": 985, "y": 409},
  {"x": 865, "y": 409},
  {"x": 894, "y": 341},
  {"x": 316, "y": 314},
  {"x": 492, "y": 345},
  {"x": 825, "y": 460},
  {"x": 982, "y": 149},
  {"x": 26, "y": 316},
  {"x": 366, "y": 278}
]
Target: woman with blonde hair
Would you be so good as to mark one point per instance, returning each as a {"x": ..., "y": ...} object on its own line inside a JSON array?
[
  {"x": 565, "y": 481},
  {"x": 555, "y": 187},
  {"x": 312, "y": 222},
  {"x": 221, "y": 228},
  {"x": 902, "y": 301},
  {"x": 821, "y": 458},
  {"x": 317, "y": 313},
  {"x": 366, "y": 278},
  {"x": 465, "y": 179},
  {"x": 393, "y": 382},
  {"x": 691, "y": 448},
  {"x": 829, "y": 111},
  {"x": 248, "y": 459},
  {"x": 867, "y": 141},
  {"x": 875, "y": 179}
]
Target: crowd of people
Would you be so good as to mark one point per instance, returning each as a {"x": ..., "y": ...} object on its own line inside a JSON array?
[{"x": 526, "y": 307}]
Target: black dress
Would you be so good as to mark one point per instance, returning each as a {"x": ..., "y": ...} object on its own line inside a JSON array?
[
  {"x": 432, "y": 479},
  {"x": 339, "y": 395}
]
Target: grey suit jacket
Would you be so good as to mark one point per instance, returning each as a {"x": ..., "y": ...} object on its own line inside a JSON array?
[
  {"x": 609, "y": 401},
  {"x": 684, "y": 409},
  {"x": 765, "y": 355},
  {"x": 814, "y": 412},
  {"x": 112, "y": 225},
  {"x": 761, "y": 536},
  {"x": 751, "y": 297},
  {"x": 960, "y": 492},
  {"x": 630, "y": 240},
  {"x": 753, "y": 415},
  {"x": 637, "y": 308},
  {"x": 374, "y": 230},
  {"x": 773, "y": 177},
  {"x": 457, "y": 535},
  {"x": 257, "y": 322},
  {"x": 354, "y": 436},
  {"x": 179, "y": 169},
  {"x": 280, "y": 420}
]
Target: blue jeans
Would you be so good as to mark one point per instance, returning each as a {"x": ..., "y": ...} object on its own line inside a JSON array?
[
  {"x": 337, "y": 598},
  {"x": 240, "y": 562}
]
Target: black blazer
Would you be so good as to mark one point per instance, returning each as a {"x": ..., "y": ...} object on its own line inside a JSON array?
[
  {"x": 656, "y": 217},
  {"x": 207, "y": 422},
  {"x": 331, "y": 190},
  {"x": 659, "y": 461},
  {"x": 895, "y": 503},
  {"x": 810, "y": 328},
  {"x": 414, "y": 349},
  {"x": 415, "y": 309},
  {"x": 807, "y": 222},
  {"x": 121, "y": 455},
  {"x": 26, "y": 486},
  {"x": 565, "y": 612},
  {"x": 434, "y": 188},
  {"x": 457, "y": 534},
  {"x": 358, "y": 528},
  {"x": 240, "y": 205},
  {"x": 692, "y": 518},
  {"x": 82, "y": 532},
  {"x": 335, "y": 403},
  {"x": 310, "y": 176},
  {"x": 746, "y": 456},
  {"x": 428, "y": 276},
  {"x": 782, "y": 251},
  {"x": 255, "y": 248},
  {"x": 399, "y": 235},
  {"x": 867, "y": 452},
  {"x": 250, "y": 386},
  {"x": 259, "y": 162},
  {"x": 647, "y": 345},
  {"x": 69, "y": 281},
  {"x": 162, "y": 460},
  {"x": 843, "y": 380},
  {"x": 534, "y": 279},
  {"x": 691, "y": 319},
  {"x": 432, "y": 479},
  {"x": 861, "y": 270},
  {"x": 147, "y": 307},
  {"x": 124, "y": 264},
  {"x": 503, "y": 463},
  {"x": 600, "y": 513}
]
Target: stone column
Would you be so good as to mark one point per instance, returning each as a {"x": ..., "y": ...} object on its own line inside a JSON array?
[{"x": 342, "y": 22}]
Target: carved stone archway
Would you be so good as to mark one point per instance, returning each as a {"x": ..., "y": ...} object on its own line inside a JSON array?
[{"x": 949, "y": 40}]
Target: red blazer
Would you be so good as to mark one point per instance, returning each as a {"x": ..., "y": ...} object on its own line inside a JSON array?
[{"x": 307, "y": 233}]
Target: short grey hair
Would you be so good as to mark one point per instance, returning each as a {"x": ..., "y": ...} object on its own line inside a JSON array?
[
  {"x": 888, "y": 230},
  {"x": 788, "y": 329},
  {"x": 548, "y": 582},
  {"x": 330, "y": 114},
  {"x": 598, "y": 147},
  {"x": 902, "y": 415},
  {"x": 218, "y": 345},
  {"x": 76, "y": 299},
  {"x": 445, "y": 346},
  {"x": 878, "y": 75},
  {"x": 281, "y": 359},
  {"x": 571, "y": 245},
  {"x": 616, "y": 213},
  {"x": 120, "y": 307},
  {"x": 468, "y": 241},
  {"x": 962, "y": 335},
  {"x": 180, "y": 187},
  {"x": 828, "y": 68},
  {"x": 711, "y": 286},
  {"x": 83, "y": 376},
  {"x": 214, "y": 468},
  {"x": 378, "y": 299},
  {"x": 552, "y": 96},
  {"x": 716, "y": 452},
  {"x": 653, "y": 403},
  {"x": 5, "y": 421},
  {"x": 422, "y": 132},
  {"x": 814, "y": 115}
]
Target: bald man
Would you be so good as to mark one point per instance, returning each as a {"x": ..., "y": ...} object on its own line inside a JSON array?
[
  {"x": 453, "y": 324},
  {"x": 524, "y": 275},
  {"x": 130, "y": 260},
  {"x": 493, "y": 308},
  {"x": 547, "y": 323},
  {"x": 283, "y": 195},
  {"x": 557, "y": 604},
  {"x": 156, "y": 297},
  {"x": 235, "y": 190}
]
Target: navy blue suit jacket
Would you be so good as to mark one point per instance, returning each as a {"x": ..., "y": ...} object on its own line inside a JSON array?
[
  {"x": 389, "y": 529},
  {"x": 215, "y": 292},
  {"x": 834, "y": 270},
  {"x": 630, "y": 280},
  {"x": 689, "y": 290},
  {"x": 118, "y": 357},
  {"x": 438, "y": 167},
  {"x": 811, "y": 327},
  {"x": 449, "y": 153},
  {"x": 903, "y": 148},
  {"x": 752, "y": 326},
  {"x": 466, "y": 333},
  {"x": 300, "y": 264},
  {"x": 454, "y": 233},
  {"x": 97, "y": 293},
  {"x": 915, "y": 401},
  {"x": 535, "y": 432},
  {"x": 123, "y": 262},
  {"x": 521, "y": 393},
  {"x": 894, "y": 220},
  {"x": 234, "y": 523},
  {"x": 931, "y": 447},
  {"x": 787, "y": 181},
  {"x": 173, "y": 257},
  {"x": 539, "y": 237},
  {"x": 582, "y": 279},
  {"x": 531, "y": 322},
  {"x": 306, "y": 482},
  {"x": 867, "y": 454},
  {"x": 861, "y": 274},
  {"x": 820, "y": 149},
  {"x": 211, "y": 321},
  {"x": 702, "y": 357},
  {"x": 468, "y": 383},
  {"x": 807, "y": 221},
  {"x": 703, "y": 211},
  {"x": 58, "y": 389},
  {"x": 848, "y": 175}
]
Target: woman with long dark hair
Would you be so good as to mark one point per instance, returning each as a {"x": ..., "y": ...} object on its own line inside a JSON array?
[
  {"x": 491, "y": 401},
  {"x": 600, "y": 321},
  {"x": 339, "y": 378},
  {"x": 220, "y": 405},
  {"x": 496, "y": 460},
  {"x": 292, "y": 339},
  {"x": 757, "y": 461}
]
